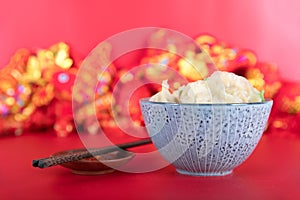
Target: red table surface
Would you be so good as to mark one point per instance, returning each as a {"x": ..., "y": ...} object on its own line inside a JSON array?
[{"x": 271, "y": 172}]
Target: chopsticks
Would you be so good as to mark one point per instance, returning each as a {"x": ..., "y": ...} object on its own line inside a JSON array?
[{"x": 74, "y": 156}]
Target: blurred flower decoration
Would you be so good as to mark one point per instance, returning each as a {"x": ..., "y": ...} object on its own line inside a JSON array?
[
  {"x": 36, "y": 87},
  {"x": 102, "y": 72},
  {"x": 286, "y": 112},
  {"x": 35, "y": 91}
]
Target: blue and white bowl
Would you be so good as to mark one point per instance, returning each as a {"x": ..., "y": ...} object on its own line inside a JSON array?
[{"x": 205, "y": 139}]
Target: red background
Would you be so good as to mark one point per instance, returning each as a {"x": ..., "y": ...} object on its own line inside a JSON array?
[{"x": 270, "y": 28}]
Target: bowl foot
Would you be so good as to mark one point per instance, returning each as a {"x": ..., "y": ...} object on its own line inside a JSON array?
[{"x": 223, "y": 173}]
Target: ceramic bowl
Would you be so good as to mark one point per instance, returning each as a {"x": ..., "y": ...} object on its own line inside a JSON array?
[
  {"x": 205, "y": 139},
  {"x": 100, "y": 164}
]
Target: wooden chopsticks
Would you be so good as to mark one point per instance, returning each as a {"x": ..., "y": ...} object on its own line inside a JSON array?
[{"x": 74, "y": 156}]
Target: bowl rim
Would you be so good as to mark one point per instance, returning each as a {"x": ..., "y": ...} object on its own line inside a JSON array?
[{"x": 147, "y": 101}]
